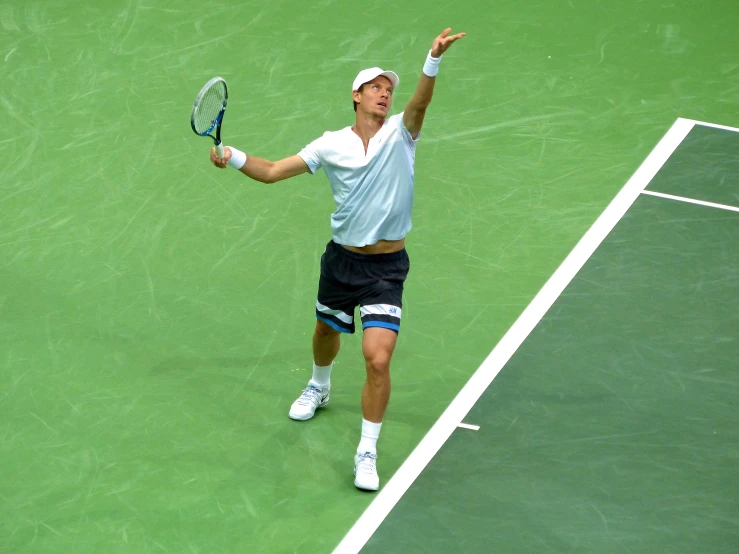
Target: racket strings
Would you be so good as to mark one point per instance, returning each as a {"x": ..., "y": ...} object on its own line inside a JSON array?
[{"x": 210, "y": 105}]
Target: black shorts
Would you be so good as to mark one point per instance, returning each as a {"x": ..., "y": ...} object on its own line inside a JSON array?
[{"x": 374, "y": 282}]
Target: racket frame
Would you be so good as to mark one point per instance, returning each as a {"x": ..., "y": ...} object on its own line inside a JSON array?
[{"x": 219, "y": 118}]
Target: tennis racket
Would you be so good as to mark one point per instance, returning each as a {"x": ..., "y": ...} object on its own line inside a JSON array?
[{"x": 208, "y": 110}]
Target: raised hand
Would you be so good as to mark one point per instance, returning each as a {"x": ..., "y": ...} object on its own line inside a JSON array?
[{"x": 444, "y": 41}]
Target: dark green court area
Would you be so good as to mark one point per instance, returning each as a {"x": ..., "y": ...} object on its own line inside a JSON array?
[{"x": 613, "y": 428}]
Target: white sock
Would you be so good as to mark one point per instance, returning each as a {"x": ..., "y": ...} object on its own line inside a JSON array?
[
  {"x": 321, "y": 376},
  {"x": 370, "y": 434}
]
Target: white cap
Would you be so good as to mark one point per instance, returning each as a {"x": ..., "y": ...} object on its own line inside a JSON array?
[{"x": 366, "y": 75}]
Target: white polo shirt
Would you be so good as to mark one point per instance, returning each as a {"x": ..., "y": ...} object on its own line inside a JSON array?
[{"x": 373, "y": 191}]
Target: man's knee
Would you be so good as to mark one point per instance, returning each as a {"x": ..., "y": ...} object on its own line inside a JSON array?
[
  {"x": 378, "y": 364},
  {"x": 323, "y": 330}
]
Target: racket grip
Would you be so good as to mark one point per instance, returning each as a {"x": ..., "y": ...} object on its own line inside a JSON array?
[{"x": 219, "y": 149}]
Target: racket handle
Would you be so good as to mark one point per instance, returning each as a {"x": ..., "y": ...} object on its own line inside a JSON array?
[{"x": 219, "y": 149}]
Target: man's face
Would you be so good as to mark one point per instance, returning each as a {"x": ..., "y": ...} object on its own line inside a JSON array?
[{"x": 376, "y": 97}]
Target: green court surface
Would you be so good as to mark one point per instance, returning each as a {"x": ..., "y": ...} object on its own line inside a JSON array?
[{"x": 156, "y": 312}]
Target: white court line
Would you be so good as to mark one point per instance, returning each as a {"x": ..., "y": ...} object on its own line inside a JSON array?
[
  {"x": 714, "y": 125},
  {"x": 468, "y": 426},
  {"x": 396, "y": 487},
  {"x": 691, "y": 200}
]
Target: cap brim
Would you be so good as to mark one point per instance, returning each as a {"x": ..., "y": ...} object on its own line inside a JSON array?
[{"x": 394, "y": 79}]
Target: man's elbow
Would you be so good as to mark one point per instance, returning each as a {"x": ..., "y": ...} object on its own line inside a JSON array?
[{"x": 272, "y": 175}]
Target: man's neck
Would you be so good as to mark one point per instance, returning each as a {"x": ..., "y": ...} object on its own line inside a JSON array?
[{"x": 367, "y": 127}]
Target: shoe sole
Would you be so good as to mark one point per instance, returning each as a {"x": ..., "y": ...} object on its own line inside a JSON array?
[
  {"x": 361, "y": 488},
  {"x": 306, "y": 417}
]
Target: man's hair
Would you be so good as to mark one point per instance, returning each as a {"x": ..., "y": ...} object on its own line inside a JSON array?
[{"x": 358, "y": 90}]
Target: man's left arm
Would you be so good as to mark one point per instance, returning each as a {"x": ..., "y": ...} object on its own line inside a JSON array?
[{"x": 415, "y": 111}]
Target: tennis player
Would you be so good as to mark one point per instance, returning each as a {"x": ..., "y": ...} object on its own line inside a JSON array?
[{"x": 370, "y": 166}]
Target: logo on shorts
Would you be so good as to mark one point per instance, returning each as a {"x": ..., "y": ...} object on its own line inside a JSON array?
[{"x": 393, "y": 311}]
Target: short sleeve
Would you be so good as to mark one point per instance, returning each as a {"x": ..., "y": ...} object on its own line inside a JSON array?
[
  {"x": 405, "y": 132},
  {"x": 311, "y": 155}
]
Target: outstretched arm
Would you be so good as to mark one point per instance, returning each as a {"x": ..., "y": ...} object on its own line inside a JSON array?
[
  {"x": 415, "y": 111},
  {"x": 262, "y": 170}
]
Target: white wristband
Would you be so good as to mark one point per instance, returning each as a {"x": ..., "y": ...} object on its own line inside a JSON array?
[
  {"x": 431, "y": 67},
  {"x": 237, "y": 159}
]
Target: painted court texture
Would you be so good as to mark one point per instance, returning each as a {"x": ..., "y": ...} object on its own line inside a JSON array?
[{"x": 572, "y": 297}]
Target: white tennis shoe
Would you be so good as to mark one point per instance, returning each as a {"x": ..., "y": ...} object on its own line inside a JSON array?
[
  {"x": 309, "y": 401},
  {"x": 365, "y": 472}
]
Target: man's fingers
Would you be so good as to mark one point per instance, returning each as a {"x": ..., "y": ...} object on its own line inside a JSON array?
[
  {"x": 445, "y": 41},
  {"x": 454, "y": 38}
]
